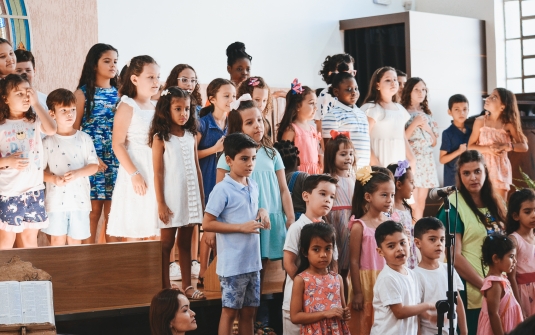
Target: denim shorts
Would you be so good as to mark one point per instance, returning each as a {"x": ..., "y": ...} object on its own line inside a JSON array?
[
  {"x": 242, "y": 290},
  {"x": 25, "y": 211},
  {"x": 74, "y": 224}
]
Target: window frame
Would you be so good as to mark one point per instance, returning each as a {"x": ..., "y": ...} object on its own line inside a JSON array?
[{"x": 10, "y": 17}]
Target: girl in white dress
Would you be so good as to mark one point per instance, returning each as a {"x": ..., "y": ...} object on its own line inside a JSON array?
[
  {"x": 177, "y": 180},
  {"x": 387, "y": 119},
  {"x": 133, "y": 214}
]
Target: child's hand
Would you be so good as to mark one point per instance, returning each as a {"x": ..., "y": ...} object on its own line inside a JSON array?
[
  {"x": 71, "y": 176},
  {"x": 218, "y": 146},
  {"x": 462, "y": 148},
  {"x": 251, "y": 227},
  {"x": 59, "y": 181},
  {"x": 140, "y": 187},
  {"x": 337, "y": 312},
  {"x": 101, "y": 166},
  {"x": 347, "y": 314},
  {"x": 420, "y": 120},
  {"x": 32, "y": 95},
  {"x": 209, "y": 239},
  {"x": 263, "y": 216},
  {"x": 358, "y": 301},
  {"x": 164, "y": 213},
  {"x": 14, "y": 161}
]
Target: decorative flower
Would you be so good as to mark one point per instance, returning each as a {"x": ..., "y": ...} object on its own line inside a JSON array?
[
  {"x": 236, "y": 103},
  {"x": 128, "y": 64},
  {"x": 254, "y": 82},
  {"x": 164, "y": 93},
  {"x": 297, "y": 87},
  {"x": 364, "y": 174},
  {"x": 402, "y": 168},
  {"x": 335, "y": 134}
]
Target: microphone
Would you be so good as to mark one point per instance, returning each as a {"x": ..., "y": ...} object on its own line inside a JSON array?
[{"x": 438, "y": 193}]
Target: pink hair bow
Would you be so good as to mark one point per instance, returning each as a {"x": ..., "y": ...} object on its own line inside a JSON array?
[
  {"x": 335, "y": 134},
  {"x": 236, "y": 103},
  {"x": 297, "y": 87},
  {"x": 254, "y": 82}
]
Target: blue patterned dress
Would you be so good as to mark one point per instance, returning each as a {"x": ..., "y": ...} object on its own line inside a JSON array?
[{"x": 99, "y": 126}]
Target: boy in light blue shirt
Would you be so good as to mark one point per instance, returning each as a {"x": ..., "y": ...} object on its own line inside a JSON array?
[{"x": 232, "y": 212}]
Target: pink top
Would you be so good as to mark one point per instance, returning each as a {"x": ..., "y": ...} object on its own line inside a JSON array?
[
  {"x": 525, "y": 265},
  {"x": 509, "y": 311},
  {"x": 308, "y": 143},
  {"x": 499, "y": 166},
  {"x": 369, "y": 257}
]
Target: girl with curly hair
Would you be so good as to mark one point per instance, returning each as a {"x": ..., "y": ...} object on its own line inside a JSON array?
[{"x": 184, "y": 76}]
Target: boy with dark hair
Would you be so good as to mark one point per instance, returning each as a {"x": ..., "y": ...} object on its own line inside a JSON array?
[
  {"x": 455, "y": 137},
  {"x": 432, "y": 272},
  {"x": 232, "y": 212},
  {"x": 318, "y": 193},
  {"x": 26, "y": 68},
  {"x": 396, "y": 295},
  {"x": 402, "y": 80}
]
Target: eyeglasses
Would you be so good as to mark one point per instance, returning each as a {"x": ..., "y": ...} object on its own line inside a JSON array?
[
  {"x": 491, "y": 98},
  {"x": 185, "y": 80}
]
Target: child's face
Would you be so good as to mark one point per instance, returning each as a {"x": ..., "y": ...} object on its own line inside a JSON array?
[
  {"x": 383, "y": 198},
  {"x": 107, "y": 64},
  {"x": 401, "y": 81},
  {"x": 320, "y": 253},
  {"x": 240, "y": 71},
  {"x": 184, "y": 320},
  {"x": 419, "y": 92},
  {"x": 223, "y": 97},
  {"x": 395, "y": 249},
  {"x": 507, "y": 263},
  {"x": 307, "y": 109},
  {"x": 347, "y": 92},
  {"x": 148, "y": 81},
  {"x": 473, "y": 176},
  {"x": 252, "y": 123},
  {"x": 405, "y": 189},
  {"x": 260, "y": 96},
  {"x": 180, "y": 112},
  {"x": 459, "y": 112},
  {"x": 25, "y": 69},
  {"x": 187, "y": 80},
  {"x": 493, "y": 103},
  {"x": 321, "y": 200},
  {"x": 17, "y": 99},
  {"x": 388, "y": 85},
  {"x": 243, "y": 163},
  {"x": 64, "y": 115},
  {"x": 526, "y": 215},
  {"x": 8, "y": 61},
  {"x": 345, "y": 156},
  {"x": 431, "y": 244}
]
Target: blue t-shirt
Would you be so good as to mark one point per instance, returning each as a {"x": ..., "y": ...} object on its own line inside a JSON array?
[
  {"x": 452, "y": 138},
  {"x": 235, "y": 203}
]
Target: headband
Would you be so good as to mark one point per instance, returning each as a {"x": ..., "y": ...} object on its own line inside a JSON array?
[
  {"x": 364, "y": 174},
  {"x": 236, "y": 103},
  {"x": 335, "y": 134},
  {"x": 164, "y": 93},
  {"x": 402, "y": 168},
  {"x": 297, "y": 87}
]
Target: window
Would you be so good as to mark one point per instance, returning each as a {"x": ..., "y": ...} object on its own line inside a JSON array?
[{"x": 14, "y": 23}]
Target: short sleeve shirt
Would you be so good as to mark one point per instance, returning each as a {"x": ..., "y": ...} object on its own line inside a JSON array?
[
  {"x": 325, "y": 102},
  {"x": 452, "y": 138}
]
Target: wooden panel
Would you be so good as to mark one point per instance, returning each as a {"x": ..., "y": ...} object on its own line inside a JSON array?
[
  {"x": 98, "y": 276},
  {"x": 374, "y": 21}
]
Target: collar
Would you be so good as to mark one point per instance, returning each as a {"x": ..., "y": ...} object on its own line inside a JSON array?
[
  {"x": 213, "y": 125},
  {"x": 305, "y": 219},
  {"x": 234, "y": 183},
  {"x": 343, "y": 106}
]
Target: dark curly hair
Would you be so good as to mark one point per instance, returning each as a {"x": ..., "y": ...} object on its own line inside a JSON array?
[
  {"x": 289, "y": 154},
  {"x": 211, "y": 92},
  {"x": 135, "y": 68},
  {"x": 162, "y": 121},
  {"x": 380, "y": 175},
  {"x": 510, "y": 113},
  {"x": 406, "y": 94},
  {"x": 392, "y": 168},
  {"x": 330, "y": 66},
  {"x": 89, "y": 74},
  {"x": 495, "y": 244},
  {"x": 373, "y": 93},
  {"x": 293, "y": 102},
  {"x": 515, "y": 204},
  {"x": 9, "y": 83},
  {"x": 236, "y": 51},
  {"x": 172, "y": 80}
]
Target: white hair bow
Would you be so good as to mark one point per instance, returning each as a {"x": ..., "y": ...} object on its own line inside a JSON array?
[{"x": 236, "y": 103}]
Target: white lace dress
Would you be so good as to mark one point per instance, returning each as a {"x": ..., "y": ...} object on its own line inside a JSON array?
[
  {"x": 132, "y": 215},
  {"x": 181, "y": 186}
]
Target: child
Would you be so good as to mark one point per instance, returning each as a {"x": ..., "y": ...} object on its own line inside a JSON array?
[
  {"x": 318, "y": 303},
  {"x": 432, "y": 272},
  {"x": 340, "y": 163},
  {"x": 71, "y": 158},
  {"x": 497, "y": 133},
  {"x": 233, "y": 213},
  {"x": 422, "y": 133},
  {"x": 500, "y": 312},
  {"x": 372, "y": 200},
  {"x": 402, "y": 80},
  {"x": 396, "y": 294},
  {"x": 455, "y": 137},
  {"x": 210, "y": 137},
  {"x": 402, "y": 211},
  {"x": 9, "y": 61},
  {"x": 347, "y": 117},
  {"x": 387, "y": 119},
  {"x": 261, "y": 94},
  {"x": 294, "y": 179},
  {"x": 519, "y": 225},
  {"x": 295, "y": 126},
  {"x": 185, "y": 77},
  {"x": 171, "y": 309},
  {"x": 238, "y": 63},
  {"x": 134, "y": 213},
  {"x": 96, "y": 101},
  {"x": 177, "y": 180},
  {"x": 318, "y": 194},
  {"x": 22, "y": 120},
  {"x": 26, "y": 68}
]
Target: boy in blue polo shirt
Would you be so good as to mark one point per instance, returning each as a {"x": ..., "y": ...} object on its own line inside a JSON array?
[{"x": 232, "y": 212}]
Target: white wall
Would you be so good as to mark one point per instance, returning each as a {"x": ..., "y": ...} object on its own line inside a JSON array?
[{"x": 287, "y": 39}]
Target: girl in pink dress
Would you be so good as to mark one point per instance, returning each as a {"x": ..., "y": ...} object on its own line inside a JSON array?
[
  {"x": 318, "y": 303},
  {"x": 495, "y": 134},
  {"x": 500, "y": 311},
  {"x": 295, "y": 126},
  {"x": 520, "y": 225}
]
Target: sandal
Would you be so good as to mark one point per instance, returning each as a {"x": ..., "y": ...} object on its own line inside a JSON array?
[
  {"x": 196, "y": 295},
  {"x": 200, "y": 282}
]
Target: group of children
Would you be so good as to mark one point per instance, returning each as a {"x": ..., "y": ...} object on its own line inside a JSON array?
[{"x": 170, "y": 166}]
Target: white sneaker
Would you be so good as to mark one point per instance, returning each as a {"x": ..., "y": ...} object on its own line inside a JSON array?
[
  {"x": 174, "y": 272},
  {"x": 195, "y": 269}
]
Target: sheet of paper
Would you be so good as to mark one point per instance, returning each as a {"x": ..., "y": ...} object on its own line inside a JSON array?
[
  {"x": 10, "y": 306},
  {"x": 37, "y": 302}
]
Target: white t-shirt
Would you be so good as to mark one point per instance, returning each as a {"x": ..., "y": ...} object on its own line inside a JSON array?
[
  {"x": 292, "y": 244},
  {"x": 63, "y": 154},
  {"x": 23, "y": 136},
  {"x": 393, "y": 288},
  {"x": 433, "y": 286}
]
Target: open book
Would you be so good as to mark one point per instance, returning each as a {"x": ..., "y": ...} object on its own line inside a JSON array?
[{"x": 26, "y": 302}]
